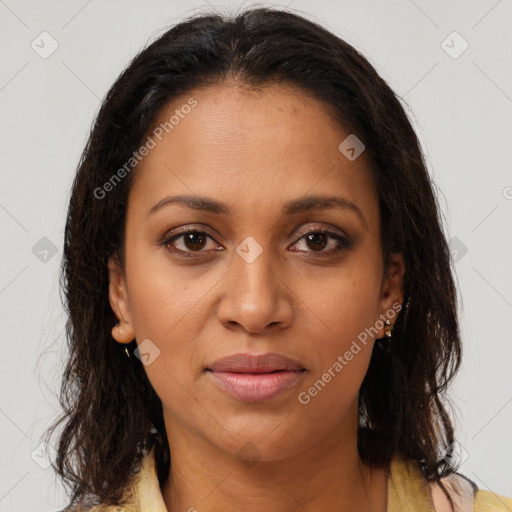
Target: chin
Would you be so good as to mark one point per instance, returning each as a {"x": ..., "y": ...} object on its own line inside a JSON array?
[{"x": 261, "y": 445}]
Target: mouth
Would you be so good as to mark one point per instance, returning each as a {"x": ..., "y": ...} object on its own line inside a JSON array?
[{"x": 255, "y": 386}]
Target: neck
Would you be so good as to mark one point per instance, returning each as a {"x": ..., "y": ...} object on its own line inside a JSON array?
[{"x": 327, "y": 476}]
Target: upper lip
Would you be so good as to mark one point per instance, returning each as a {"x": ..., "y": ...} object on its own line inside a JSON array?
[{"x": 249, "y": 363}]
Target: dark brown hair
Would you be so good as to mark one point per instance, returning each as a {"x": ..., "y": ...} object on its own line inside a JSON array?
[{"x": 109, "y": 405}]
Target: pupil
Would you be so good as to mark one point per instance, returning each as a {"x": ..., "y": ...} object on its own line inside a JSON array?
[
  {"x": 313, "y": 237},
  {"x": 193, "y": 240}
]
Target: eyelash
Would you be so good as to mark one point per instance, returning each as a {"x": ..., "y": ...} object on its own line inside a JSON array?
[{"x": 344, "y": 242}]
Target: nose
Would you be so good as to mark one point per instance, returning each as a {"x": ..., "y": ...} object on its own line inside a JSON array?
[{"x": 255, "y": 296}]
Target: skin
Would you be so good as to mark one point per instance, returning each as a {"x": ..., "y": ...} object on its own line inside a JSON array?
[{"x": 254, "y": 151}]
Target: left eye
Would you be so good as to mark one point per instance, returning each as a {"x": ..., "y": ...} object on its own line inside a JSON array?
[
  {"x": 318, "y": 240},
  {"x": 194, "y": 241}
]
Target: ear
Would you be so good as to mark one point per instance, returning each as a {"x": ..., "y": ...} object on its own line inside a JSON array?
[
  {"x": 392, "y": 290},
  {"x": 118, "y": 297}
]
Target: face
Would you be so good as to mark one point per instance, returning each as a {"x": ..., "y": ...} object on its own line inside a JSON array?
[{"x": 266, "y": 271}]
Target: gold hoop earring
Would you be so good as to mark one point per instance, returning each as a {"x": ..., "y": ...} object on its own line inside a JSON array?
[{"x": 117, "y": 325}]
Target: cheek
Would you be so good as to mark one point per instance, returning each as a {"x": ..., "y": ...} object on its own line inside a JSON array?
[
  {"x": 331, "y": 389},
  {"x": 340, "y": 308},
  {"x": 166, "y": 307},
  {"x": 163, "y": 297},
  {"x": 342, "y": 315}
]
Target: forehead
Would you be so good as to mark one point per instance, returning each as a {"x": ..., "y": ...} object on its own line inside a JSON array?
[{"x": 251, "y": 149}]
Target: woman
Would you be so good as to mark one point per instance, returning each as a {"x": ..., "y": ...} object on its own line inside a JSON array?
[{"x": 262, "y": 314}]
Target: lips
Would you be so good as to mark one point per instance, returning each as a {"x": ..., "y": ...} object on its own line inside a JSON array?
[
  {"x": 255, "y": 378},
  {"x": 248, "y": 363}
]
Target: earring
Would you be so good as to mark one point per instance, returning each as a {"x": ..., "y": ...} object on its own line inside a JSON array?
[
  {"x": 125, "y": 347},
  {"x": 388, "y": 331}
]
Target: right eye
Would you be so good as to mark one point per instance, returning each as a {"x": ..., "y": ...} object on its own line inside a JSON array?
[{"x": 190, "y": 242}]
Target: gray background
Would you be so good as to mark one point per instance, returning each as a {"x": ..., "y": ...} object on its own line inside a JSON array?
[{"x": 461, "y": 107}]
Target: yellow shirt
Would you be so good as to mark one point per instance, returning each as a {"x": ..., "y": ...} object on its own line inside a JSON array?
[{"x": 408, "y": 491}]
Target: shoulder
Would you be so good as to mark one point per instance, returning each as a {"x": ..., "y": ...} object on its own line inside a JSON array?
[
  {"x": 487, "y": 501},
  {"x": 141, "y": 493},
  {"x": 461, "y": 489},
  {"x": 407, "y": 487},
  {"x": 467, "y": 496}
]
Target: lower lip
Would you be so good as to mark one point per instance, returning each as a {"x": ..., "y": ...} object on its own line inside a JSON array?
[{"x": 256, "y": 387}]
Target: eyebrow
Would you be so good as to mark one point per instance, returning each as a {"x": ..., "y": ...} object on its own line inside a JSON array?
[{"x": 292, "y": 207}]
